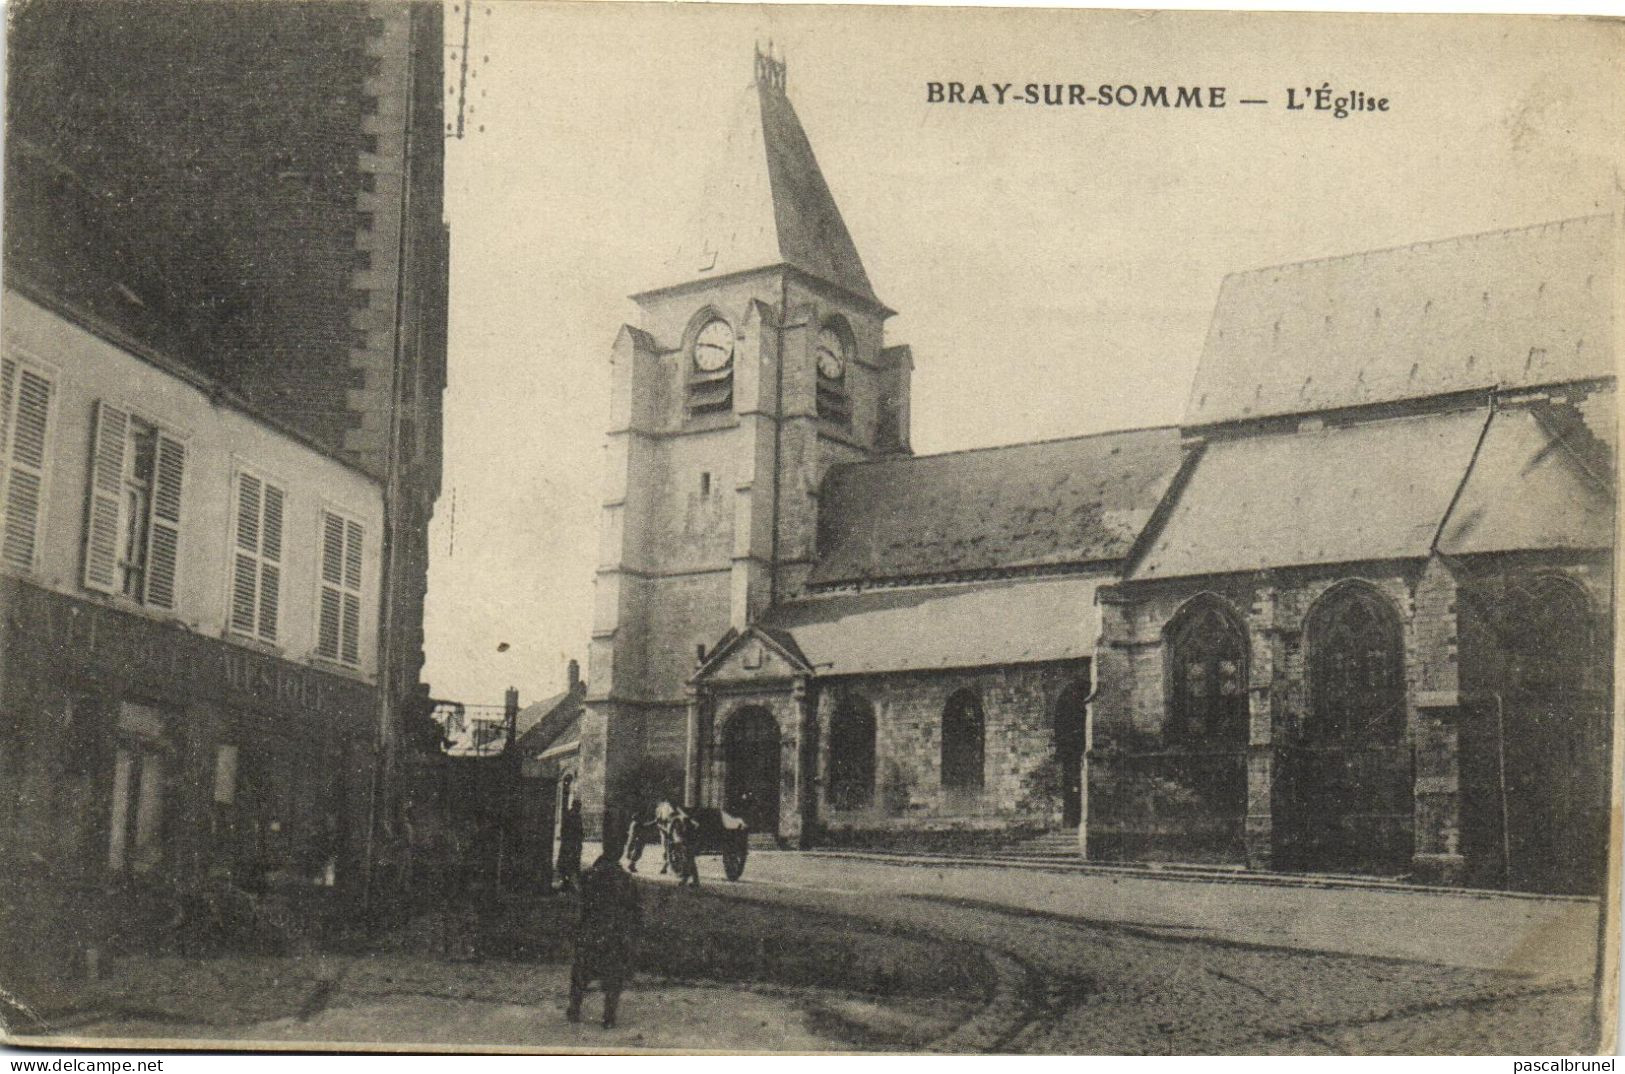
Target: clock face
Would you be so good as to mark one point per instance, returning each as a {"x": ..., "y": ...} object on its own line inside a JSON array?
[
  {"x": 831, "y": 355},
  {"x": 713, "y": 347}
]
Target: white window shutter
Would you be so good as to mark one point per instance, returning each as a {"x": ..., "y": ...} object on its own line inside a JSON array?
[
  {"x": 164, "y": 539},
  {"x": 106, "y": 488},
  {"x": 23, "y": 480},
  {"x": 270, "y": 558}
]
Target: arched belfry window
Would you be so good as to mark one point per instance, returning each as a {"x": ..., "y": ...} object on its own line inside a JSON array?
[
  {"x": 1548, "y": 636},
  {"x": 852, "y": 753},
  {"x": 710, "y": 366},
  {"x": 962, "y": 742},
  {"x": 1356, "y": 669},
  {"x": 833, "y": 352},
  {"x": 1208, "y": 691}
]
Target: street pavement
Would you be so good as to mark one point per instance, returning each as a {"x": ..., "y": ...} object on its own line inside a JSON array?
[
  {"x": 1544, "y": 938},
  {"x": 1076, "y": 962}
]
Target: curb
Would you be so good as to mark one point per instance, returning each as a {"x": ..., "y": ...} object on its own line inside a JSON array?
[{"x": 1189, "y": 875}]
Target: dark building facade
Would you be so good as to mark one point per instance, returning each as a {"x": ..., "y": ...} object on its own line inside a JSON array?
[
  {"x": 271, "y": 174},
  {"x": 225, "y": 309}
]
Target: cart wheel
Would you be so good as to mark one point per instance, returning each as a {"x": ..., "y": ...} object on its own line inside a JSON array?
[{"x": 733, "y": 862}]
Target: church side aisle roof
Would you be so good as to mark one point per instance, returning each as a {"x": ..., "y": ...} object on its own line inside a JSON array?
[
  {"x": 766, "y": 203},
  {"x": 1520, "y": 308},
  {"x": 1048, "y": 504},
  {"x": 1375, "y": 491},
  {"x": 920, "y": 628}
]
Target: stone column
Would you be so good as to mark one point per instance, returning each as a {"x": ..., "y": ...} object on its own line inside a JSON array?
[
  {"x": 1433, "y": 684},
  {"x": 1263, "y": 642}
]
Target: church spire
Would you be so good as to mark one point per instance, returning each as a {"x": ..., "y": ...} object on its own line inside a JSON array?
[
  {"x": 770, "y": 70},
  {"x": 766, "y": 202}
]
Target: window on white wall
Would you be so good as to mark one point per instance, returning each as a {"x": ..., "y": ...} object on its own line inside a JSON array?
[
  {"x": 132, "y": 539},
  {"x": 256, "y": 579},
  {"x": 25, "y": 409},
  {"x": 338, "y": 621}
]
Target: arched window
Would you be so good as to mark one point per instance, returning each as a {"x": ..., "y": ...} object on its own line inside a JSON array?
[
  {"x": 1547, "y": 628},
  {"x": 962, "y": 749},
  {"x": 1356, "y": 669},
  {"x": 852, "y": 753},
  {"x": 1208, "y": 695}
]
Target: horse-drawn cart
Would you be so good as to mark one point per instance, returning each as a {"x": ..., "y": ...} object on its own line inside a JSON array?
[{"x": 690, "y": 833}]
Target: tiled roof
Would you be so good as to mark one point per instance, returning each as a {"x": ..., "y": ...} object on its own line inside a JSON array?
[
  {"x": 766, "y": 203},
  {"x": 1337, "y": 495},
  {"x": 1518, "y": 308},
  {"x": 1058, "y": 502},
  {"x": 978, "y": 624},
  {"x": 1528, "y": 492}
]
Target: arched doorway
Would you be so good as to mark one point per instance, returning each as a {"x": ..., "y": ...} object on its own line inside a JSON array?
[
  {"x": 1071, "y": 726},
  {"x": 1553, "y": 735},
  {"x": 750, "y": 757},
  {"x": 1349, "y": 769}
]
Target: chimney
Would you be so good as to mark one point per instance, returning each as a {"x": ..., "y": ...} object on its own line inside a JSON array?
[
  {"x": 510, "y": 703},
  {"x": 573, "y": 674}
]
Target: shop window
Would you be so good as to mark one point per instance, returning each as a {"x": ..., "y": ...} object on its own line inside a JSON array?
[
  {"x": 338, "y": 626},
  {"x": 1208, "y": 695},
  {"x": 852, "y": 753},
  {"x": 140, "y": 770},
  {"x": 132, "y": 545},
  {"x": 25, "y": 409},
  {"x": 962, "y": 742},
  {"x": 257, "y": 558}
]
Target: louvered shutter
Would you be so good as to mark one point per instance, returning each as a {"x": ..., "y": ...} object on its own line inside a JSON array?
[
  {"x": 330, "y": 614},
  {"x": 352, "y": 598},
  {"x": 270, "y": 562},
  {"x": 245, "y": 558},
  {"x": 27, "y": 409},
  {"x": 164, "y": 538},
  {"x": 106, "y": 486}
]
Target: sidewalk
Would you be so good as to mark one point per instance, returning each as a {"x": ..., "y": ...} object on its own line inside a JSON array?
[{"x": 1545, "y": 938}]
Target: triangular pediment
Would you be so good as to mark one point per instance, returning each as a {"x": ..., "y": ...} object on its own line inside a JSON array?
[{"x": 753, "y": 655}]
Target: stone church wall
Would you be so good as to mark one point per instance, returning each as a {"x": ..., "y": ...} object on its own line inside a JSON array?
[
  {"x": 1021, "y": 788},
  {"x": 1154, "y": 797}
]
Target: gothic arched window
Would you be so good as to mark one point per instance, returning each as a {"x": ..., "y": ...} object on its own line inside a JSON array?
[
  {"x": 1547, "y": 630},
  {"x": 852, "y": 753},
  {"x": 962, "y": 749},
  {"x": 1356, "y": 670},
  {"x": 1208, "y": 650}
]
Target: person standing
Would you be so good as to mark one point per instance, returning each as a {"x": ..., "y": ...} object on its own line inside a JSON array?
[
  {"x": 570, "y": 839},
  {"x": 606, "y": 936}
]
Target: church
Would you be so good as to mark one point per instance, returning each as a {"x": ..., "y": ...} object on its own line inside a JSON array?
[{"x": 1352, "y": 615}]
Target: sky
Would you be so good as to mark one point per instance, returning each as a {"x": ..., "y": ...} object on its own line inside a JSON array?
[{"x": 1054, "y": 268}]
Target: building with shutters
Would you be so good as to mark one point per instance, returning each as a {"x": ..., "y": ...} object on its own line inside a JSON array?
[
  {"x": 225, "y": 352},
  {"x": 1352, "y": 614},
  {"x": 192, "y": 594},
  {"x": 296, "y": 254}
]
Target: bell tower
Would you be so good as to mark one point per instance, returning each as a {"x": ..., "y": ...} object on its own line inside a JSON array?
[{"x": 757, "y": 364}]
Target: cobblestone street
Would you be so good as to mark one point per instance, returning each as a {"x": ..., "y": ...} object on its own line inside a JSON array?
[{"x": 816, "y": 952}]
